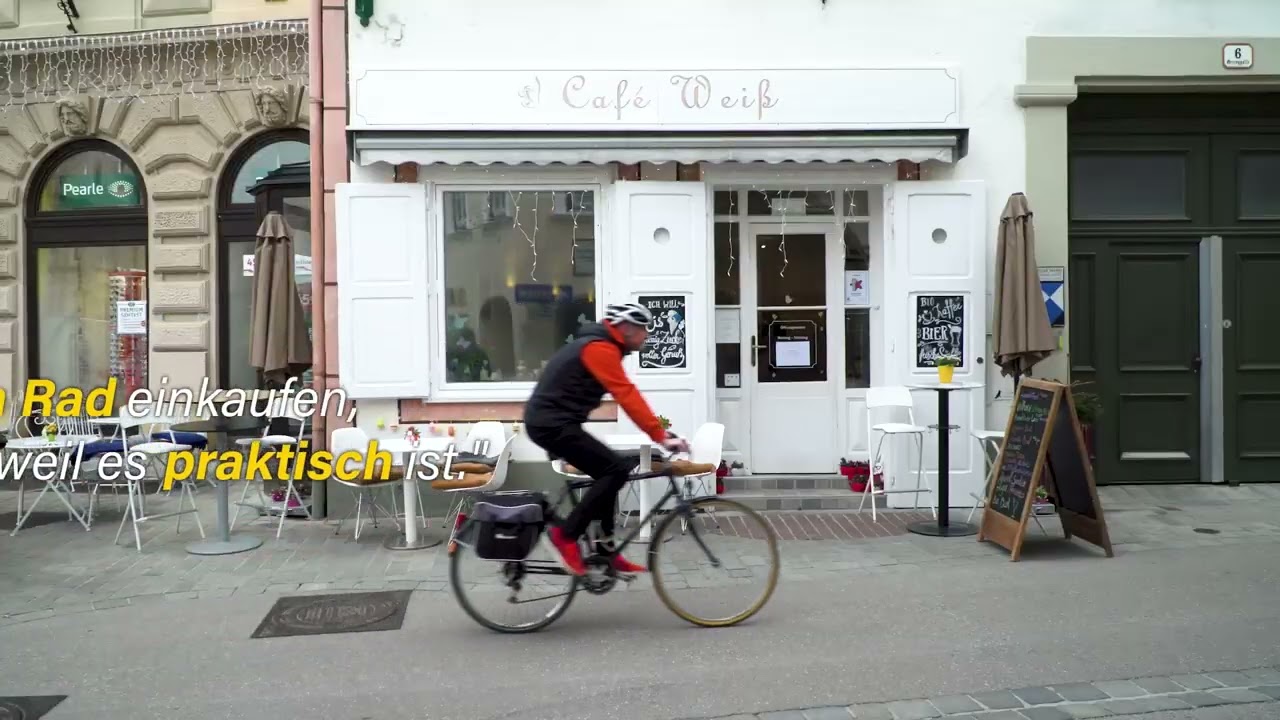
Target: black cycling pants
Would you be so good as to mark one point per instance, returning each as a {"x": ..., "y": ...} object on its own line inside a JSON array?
[{"x": 591, "y": 457}]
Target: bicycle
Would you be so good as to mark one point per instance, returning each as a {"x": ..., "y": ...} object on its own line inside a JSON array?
[{"x": 517, "y": 576}]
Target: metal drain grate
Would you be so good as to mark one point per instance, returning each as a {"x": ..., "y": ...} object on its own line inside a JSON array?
[
  {"x": 337, "y": 613},
  {"x": 28, "y": 707}
]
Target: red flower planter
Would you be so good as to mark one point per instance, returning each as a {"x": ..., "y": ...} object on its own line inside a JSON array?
[{"x": 858, "y": 485}]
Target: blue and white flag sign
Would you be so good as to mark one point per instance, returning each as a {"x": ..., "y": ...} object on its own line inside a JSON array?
[{"x": 1054, "y": 301}]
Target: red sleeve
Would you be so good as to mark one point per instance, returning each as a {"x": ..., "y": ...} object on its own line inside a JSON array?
[{"x": 604, "y": 361}]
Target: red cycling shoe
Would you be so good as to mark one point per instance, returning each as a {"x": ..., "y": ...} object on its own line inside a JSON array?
[
  {"x": 624, "y": 565},
  {"x": 566, "y": 551}
]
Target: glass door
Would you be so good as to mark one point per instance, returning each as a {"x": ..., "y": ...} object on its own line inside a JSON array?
[{"x": 787, "y": 312}]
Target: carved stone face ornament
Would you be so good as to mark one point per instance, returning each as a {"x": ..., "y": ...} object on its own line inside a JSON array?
[
  {"x": 73, "y": 118},
  {"x": 271, "y": 106}
]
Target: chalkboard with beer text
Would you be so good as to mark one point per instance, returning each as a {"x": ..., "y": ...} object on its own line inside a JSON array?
[
  {"x": 1043, "y": 447},
  {"x": 939, "y": 329},
  {"x": 666, "y": 348}
]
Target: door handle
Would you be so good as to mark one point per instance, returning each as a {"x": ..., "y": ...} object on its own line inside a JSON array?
[
  {"x": 1195, "y": 363},
  {"x": 754, "y": 350}
]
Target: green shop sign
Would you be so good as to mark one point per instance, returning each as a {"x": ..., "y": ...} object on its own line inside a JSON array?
[{"x": 78, "y": 192}]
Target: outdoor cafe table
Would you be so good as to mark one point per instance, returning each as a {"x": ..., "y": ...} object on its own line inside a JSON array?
[
  {"x": 645, "y": 444},
  {"x": 943, "y": 527},
  {"x": 411, "y": 540},
  {"x": 59, "y": 445},
  {"x": 218, "y": 429}
]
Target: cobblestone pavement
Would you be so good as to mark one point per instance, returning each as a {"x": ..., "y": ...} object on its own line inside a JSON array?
[
  {"x": 58, "y": 568},
  {"x": 1127, "y": 697}
]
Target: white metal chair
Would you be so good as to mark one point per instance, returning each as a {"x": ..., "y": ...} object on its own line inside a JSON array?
[
  {"x": 283, "y": 413},
  {"x": 156, "y": 451},
  {"x": 355, "y": 439},
  {"x": 469, "y": 485},
  {"x": 898, "y": 398}
]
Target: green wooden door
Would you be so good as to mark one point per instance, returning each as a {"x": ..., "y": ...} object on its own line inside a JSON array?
[
  {"x": 1247, "y": 205},
  {"x": 1141, "y": 343},
  {"x": 1134, "y": 300}
]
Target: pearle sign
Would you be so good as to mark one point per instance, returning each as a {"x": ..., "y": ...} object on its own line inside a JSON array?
[{"x": 656, "y": 99}]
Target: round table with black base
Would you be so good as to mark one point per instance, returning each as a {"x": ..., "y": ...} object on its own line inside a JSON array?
[
  {"x": 943, "y": 527},
  {"x": 218, "y": 428}
]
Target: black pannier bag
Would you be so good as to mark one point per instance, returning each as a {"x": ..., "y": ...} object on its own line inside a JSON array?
[{"x": 508, "y": 524}]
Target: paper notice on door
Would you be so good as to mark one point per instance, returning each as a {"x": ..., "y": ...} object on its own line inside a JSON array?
[
  {"x": 857, "y": 287},
  {"x": 131, "y": 317},
  {"x": 247, "y": 262},
  {"x": 727, "y": 329},
  {"x": 791, "y": 354}
]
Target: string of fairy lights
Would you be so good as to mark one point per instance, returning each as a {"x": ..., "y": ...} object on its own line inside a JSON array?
[{"x": 155, "y": 62}]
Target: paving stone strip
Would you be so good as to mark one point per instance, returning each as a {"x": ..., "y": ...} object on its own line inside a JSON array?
[{"x": 1067, "y": 701}]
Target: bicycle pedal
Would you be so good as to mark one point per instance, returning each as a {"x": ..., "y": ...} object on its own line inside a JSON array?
[{"x": 626, "y": 578}]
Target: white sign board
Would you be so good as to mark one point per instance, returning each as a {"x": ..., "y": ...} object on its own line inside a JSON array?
[
  {"x": 131, "y": 317},
  {"x": 301, "y": 264},
  {"x": 727, "y": 328},
  {"x": 1237, "y": 56},
  {"x": 678, "y": 98}
]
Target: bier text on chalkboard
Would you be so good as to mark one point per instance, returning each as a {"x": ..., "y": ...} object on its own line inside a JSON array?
[
  {"x": 939, "y": 329},
  {"x": 666, "y": 347}
]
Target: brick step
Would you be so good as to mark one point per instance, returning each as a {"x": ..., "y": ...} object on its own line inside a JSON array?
[
  {"x": 828, "y": 499},
  {"x": 756, "y": 483}
]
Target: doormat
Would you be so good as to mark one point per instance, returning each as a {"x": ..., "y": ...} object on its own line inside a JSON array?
[
  {"x": 28, "y": 707},
  {"x": 337, "y": 613},
  {"x": 9, "y": 519}
]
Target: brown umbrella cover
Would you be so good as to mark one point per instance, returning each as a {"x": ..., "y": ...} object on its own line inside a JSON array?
[
  {"x": 1022, "y": 333},
  {"x": 280, "y": 347}
]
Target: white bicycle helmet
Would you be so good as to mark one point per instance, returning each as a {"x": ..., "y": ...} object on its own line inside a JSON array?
[{"x": 628, "y": 313}]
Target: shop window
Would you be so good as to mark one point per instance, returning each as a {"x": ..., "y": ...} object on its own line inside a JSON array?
[
  {"x": 857, "y": 302},
  {"x": 519, "y": 279},
  {"x": 728, "y": 299},
  {"x": 1129, "y": 186},
  {"x": 262, "y": 162},
  {"x": 91, "y": 180},
  {"x": 87, "y": 301},
  {"x": 270, "y": 173}
]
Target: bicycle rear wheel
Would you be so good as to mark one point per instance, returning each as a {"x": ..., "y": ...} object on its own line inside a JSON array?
[
  {"x": 719, "y": 568},
  {"x": 511, "y": 597}
]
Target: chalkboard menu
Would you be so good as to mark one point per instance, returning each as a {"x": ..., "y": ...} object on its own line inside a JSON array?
[
  {"x": 1043, "y": 448},
  {"x": 1021, "y": 451},
  {"x": 939, "y": 328},
  {"x": 1066, "y": 467},
  {"x": 666, "y": 347}
]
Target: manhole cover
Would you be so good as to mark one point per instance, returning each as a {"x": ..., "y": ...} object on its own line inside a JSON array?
[
  {"x": 1206, "y": 531},
  {"x": 339, "y": 613},
  {"x": 28, "y": 707}
]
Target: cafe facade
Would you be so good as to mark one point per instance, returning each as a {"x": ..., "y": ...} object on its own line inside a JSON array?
[
  {"x": 807, "y": 217},
  {"x": 135, "y": 170}
]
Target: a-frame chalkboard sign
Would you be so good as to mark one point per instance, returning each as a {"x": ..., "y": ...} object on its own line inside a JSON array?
[{"x": 1043, "y": 447}]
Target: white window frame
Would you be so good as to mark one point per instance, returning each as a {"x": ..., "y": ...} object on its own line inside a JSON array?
[{"x": 512, "y": 180}]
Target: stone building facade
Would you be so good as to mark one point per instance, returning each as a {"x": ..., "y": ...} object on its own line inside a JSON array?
[{"x": 190, "y": 116}]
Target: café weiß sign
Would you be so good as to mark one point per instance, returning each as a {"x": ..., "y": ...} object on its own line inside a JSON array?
[{"x": 689, "y": 99}]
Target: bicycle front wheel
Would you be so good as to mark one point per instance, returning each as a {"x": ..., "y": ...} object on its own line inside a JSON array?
[{"x": 717, "y": 568}]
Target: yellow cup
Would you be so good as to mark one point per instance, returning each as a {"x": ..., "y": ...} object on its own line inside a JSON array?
[{"x": 945, "y": 372}]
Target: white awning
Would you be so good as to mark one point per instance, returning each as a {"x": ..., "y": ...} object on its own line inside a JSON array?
[{"x": 686, "y": 148}]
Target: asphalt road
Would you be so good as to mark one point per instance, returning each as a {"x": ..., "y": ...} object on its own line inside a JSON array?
[{"x": 959, "y": 628}]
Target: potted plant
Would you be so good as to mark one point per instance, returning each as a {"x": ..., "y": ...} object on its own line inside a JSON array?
[
  {"x": 1043, "y": 504},
  {"x": 721, "y": 473},
  {"x": 1088, "y": 408},
  {"x": 666, "y": 422},
  {"x": 946, "y": 365}
]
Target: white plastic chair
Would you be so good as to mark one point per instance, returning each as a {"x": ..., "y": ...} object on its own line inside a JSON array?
[
  {"x": 136, "y": 489},
  {"x": 357, "y": 440},
  {"x": 990, "y": 441},
  {"x": 894, "y": 397},
  {"x": 485, "y": 438},
  {"x": 466, "y": 495}
]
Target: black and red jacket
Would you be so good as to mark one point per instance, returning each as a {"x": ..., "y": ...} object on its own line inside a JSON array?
[{"x": 576, "y": 379}]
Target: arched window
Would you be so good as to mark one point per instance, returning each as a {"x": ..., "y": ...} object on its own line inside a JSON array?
[
  {"x": 269, "y": 172},
  {"x": 86, "y": 275}
]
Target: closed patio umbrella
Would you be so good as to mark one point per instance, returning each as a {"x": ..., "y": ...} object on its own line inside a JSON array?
[
  {"x": 280, "y": 347},
  {"x": 1023, "y": 337}
]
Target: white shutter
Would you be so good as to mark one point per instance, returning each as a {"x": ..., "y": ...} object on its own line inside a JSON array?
[
  {"x": 940, "y": 248},
  {"x": 383, "y": 290},
  {"x": 660, "y": 248}
]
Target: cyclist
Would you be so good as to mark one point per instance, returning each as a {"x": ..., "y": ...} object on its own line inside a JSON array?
[{"x": 572, "y": 385}]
